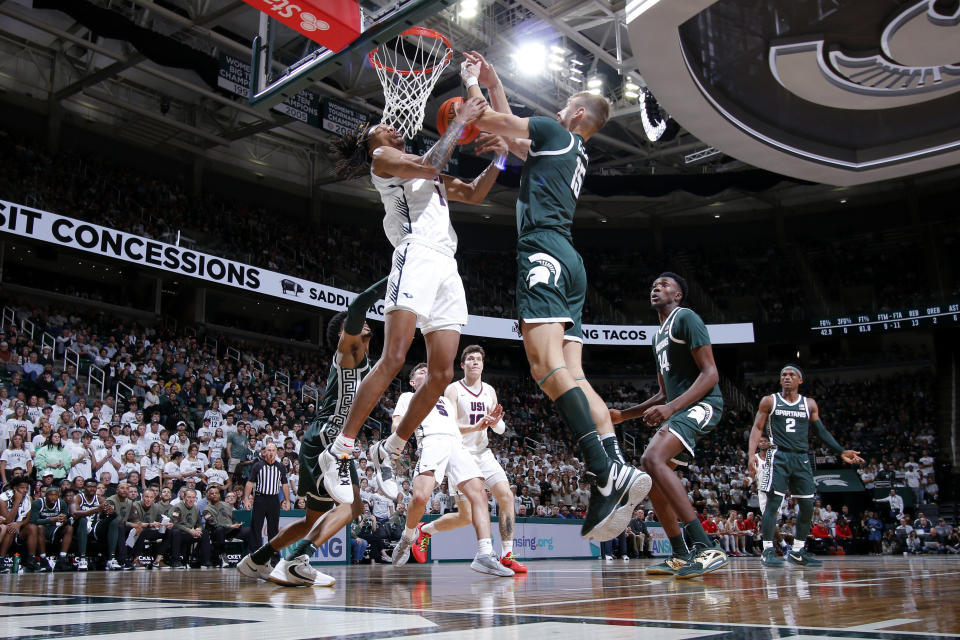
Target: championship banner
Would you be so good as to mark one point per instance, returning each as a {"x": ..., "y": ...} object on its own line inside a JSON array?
[
  {"x": 340, "y": 118},
  {"x": 837, "y": 481},
  {"x": 44, "y": 226},
  {"x": 533, "y": 538},
  {"x": 234, "y": 76},
  {"x": 659, "y": 541}
]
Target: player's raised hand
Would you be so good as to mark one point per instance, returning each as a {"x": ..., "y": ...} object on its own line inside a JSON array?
[
  {"x": 851, "y": 457},
  {"x": 469, "y": 69},
  {"x": 489, "y": 142},
  {"x": 470, "y": 110},
  {"x": 487, "y": 75}
]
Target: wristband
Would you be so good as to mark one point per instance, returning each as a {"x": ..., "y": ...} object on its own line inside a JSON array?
[
  {"x": 471, "y": 81},
  {"x": 501, "y": 162}
]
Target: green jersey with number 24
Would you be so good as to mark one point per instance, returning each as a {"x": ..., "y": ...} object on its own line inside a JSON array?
[
  {"x": 551, "y": 180},
  {"x": 673, "y": 345}
]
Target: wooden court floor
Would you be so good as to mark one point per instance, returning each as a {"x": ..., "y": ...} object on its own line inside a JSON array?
[{"x": 889, "y": 598}]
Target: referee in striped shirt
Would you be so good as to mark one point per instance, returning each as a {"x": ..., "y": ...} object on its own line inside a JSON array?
[{"x": 268, "y": 476}]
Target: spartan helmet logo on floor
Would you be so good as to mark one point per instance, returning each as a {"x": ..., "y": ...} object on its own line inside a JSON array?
[{"x": 547, "y": 267}]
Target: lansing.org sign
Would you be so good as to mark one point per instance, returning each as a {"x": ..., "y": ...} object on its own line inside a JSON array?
[{"x": 27, "y": 222}]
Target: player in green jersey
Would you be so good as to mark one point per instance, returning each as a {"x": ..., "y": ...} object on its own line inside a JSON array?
[
  {"x": 552, "y": 284},
  {"x": 349, "y": 331},
  {"x": 785, "y": 418},
  {"x": 687, "y": 407}
]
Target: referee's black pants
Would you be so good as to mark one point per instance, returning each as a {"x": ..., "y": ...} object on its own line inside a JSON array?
[{"x": 265, "y": 507}]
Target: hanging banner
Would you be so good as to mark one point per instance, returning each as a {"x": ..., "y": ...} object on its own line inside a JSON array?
[
  {"x": 234, "y": 76},
  {"x": 340, "y": 118},
  {"x": 26, "y": 222}
]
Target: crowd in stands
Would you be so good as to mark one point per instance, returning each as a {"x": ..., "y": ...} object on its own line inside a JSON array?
[
  {"x": 193, "y": 420},
  {"x": 92, "y": 188}
]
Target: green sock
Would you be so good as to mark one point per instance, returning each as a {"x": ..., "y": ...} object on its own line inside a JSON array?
[
  {"x": 697, "y": 534},
  {"x": 304, "y": 547},
  {"x": 768, "y": 523},
  {"x": 263, "y": 554},
  {"x": 612, "y": 447},
  {"x": 574, "y": 408},
  {"x": 678, "y": 545}
]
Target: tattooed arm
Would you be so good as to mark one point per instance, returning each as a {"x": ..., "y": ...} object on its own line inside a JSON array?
[{"x": 391, "y": 162}]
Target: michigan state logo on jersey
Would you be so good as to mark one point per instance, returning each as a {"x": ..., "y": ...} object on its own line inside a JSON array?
[{"x": 547, "y": 268}]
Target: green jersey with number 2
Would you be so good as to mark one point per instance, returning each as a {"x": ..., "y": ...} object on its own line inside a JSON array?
[
  {"x": 789, "y": 424},
  {"x": 673, "y": 345},
  {"x": 552, "y": 177}
]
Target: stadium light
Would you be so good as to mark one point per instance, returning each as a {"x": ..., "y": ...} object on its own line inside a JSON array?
[
  {"x": 469, "y": 9},
  {"x": 531, "y": 59},
  {"x": 595, "y": 82}
]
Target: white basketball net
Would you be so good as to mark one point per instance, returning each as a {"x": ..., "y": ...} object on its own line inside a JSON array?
[{"x": 409, "y": 67}]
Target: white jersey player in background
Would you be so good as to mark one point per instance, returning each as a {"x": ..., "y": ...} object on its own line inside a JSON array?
[
  {"x": 424, "y": 285},
  {"x": 476, "y": 403},
  {"x": 761, "y": 457},
  {"x": 440, "y": 452}
]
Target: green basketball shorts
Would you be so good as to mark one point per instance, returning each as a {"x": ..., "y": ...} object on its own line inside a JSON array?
[
  {"x": 788, "y": 472},
  {"x": 694, "y": 422},
  {"x": 551, "y": 282}
]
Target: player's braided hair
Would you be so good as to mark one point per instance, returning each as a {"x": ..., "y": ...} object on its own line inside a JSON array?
[
  {"x": 352, "y": 150},
  {"x": 334, "y": 327}
]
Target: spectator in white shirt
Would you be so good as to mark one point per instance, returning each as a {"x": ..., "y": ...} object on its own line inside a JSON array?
[
  {"x": 152, "y": 464},
  {"x": 15, "y": 456}
]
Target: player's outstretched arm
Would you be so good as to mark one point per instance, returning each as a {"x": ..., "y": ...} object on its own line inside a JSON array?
[
  {"x": 491, "y": 121},
  {"x": 475, "y": 192},
  {"x": 763, "y": 414},
  {"x": 636, "y": 411},
  {"x": 849, "y": 456},
  {"x": 487, "y": 76},
  {"x": 350, "y": 351}
]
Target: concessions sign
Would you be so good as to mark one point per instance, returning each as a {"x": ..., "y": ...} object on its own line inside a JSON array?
[{"x": 44, "y": 226}]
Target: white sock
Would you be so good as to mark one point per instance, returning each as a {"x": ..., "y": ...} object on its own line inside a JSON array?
[
  {"x": 768, "y": 544},
  {"x": 63, "y": 554},
  {"x": 430, "y": 528},
  {"x": 507, "y": 547},
  {"x": 409, "y": 534},
  {"x": 485, "y": 546},
  {"x": 343, "y": 446},
  {"x": 798, "y": 545},
  {"x": 395, "y": 444}
]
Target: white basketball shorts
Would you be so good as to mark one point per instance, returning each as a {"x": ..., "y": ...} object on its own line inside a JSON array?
[
  {"x": 426, "y": 282},
  {"x": 446, "y": 456},
  {"x": 493, "y": 473}
]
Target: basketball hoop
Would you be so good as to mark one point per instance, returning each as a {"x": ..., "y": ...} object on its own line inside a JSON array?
[{"x": 408, "y": 67}]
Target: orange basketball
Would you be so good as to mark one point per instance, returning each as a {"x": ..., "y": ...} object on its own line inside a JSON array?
[{"x": 446, "y": 113}]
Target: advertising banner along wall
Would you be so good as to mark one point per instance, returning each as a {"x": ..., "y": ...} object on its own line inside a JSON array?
[{"x": 26, "y": 222}]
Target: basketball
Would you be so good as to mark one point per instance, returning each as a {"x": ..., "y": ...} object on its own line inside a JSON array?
[{"x": 446, "y": 113}]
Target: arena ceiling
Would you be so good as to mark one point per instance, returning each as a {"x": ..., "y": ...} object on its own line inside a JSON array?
[{"x": 146, "y": 71}]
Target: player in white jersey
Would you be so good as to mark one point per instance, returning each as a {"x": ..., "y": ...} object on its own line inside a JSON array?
[
  {"x": 424, "y": 286},
  {"x": 440, "y": 453},
  {"x": 761, "y": 458},
  {"x": 476, "y": 403}
]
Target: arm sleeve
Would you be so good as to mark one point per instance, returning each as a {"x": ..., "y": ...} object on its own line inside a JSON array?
[
  {"x": 827, "y": 439},
  {"x": 357, "y": 311}
]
